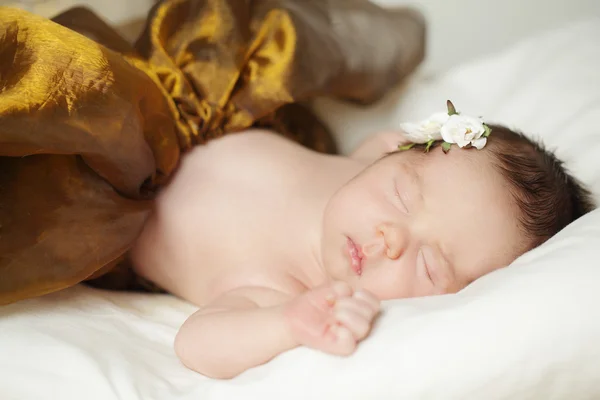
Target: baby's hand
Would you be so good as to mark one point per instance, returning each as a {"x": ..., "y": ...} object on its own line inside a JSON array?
[{"x": 332, "y": 318}]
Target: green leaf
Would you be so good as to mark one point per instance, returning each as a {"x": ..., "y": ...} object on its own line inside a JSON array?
[
  {"x": 406, "y": 146},
  {"x": 446, "y": 147},
  {"x": 488, "y": 130},
  {"x": 451, "y": 108},
  {"x": 429, "y": 144}
]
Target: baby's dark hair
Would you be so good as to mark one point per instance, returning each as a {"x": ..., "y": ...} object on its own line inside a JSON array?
[{"x": 547, "y": 195}]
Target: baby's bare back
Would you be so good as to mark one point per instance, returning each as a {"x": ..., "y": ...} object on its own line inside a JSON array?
[{"x": 222, "y": 222}]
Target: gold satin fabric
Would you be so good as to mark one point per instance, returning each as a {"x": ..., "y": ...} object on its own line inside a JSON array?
[{"x": 91, "y": 126}]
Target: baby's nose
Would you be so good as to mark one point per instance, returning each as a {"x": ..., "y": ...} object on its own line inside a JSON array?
[{"x": 395, "y": 239}]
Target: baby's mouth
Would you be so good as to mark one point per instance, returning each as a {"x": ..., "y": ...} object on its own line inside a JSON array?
[{"x": 355, "y": 256}]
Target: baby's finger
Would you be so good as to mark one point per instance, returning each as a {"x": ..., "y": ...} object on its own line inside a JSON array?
[
  {"x": 343, "y": 340},
  {"x": 357, "y": 324},
  {"x": 368, "y": 299},
  {"x": 360, "y": 307},
  {"x": 325, "y": 297}
]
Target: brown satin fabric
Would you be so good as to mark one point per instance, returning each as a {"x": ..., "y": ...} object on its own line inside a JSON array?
[{"x": 91, "y": 126}]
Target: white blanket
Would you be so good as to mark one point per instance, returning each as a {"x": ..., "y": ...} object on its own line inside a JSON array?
[{"x": 528, "y": 332}]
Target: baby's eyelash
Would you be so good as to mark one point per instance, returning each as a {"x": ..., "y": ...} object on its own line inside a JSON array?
[
  {"x": 425, "y": 265},
  {"x": 401, "y": 201},
  {"x": 397, "y": 193}
]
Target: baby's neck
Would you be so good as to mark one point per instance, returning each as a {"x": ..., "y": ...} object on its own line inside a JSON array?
[{"x": 327, "y": 175}]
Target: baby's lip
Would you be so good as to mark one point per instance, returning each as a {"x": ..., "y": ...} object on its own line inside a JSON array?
[{"x": 355, "y": 255}]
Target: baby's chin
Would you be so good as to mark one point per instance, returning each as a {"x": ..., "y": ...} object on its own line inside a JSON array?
[{"x": 337, "y": 267}]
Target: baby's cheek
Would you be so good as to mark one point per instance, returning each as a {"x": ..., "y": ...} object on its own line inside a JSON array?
[{"x": 387, "y": 287}]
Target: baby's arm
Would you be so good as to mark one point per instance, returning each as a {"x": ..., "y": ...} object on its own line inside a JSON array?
[
  {"x": 241, "y": 329},
  {"x": 249, "y": 326}
]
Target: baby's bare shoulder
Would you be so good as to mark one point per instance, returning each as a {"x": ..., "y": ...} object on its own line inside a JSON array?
[
  {"x": 257, "y": 158},
  {"x": 249, "y": 145},
  {"x": 246, "y": 142}
]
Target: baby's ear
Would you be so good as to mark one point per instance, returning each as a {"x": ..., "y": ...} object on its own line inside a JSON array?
[{"x": 378, "y": 145}]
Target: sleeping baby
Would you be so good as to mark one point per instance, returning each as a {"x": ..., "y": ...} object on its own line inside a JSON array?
[{"x": 280, "y": 246}]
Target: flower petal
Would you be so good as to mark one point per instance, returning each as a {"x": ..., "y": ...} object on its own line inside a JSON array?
[
  {"x": 462, "y": 130},
  {"x": 479, "y": 143},
  {"x": 426, "y": 130},
  {"x": 441, "y": 118},
  {"x": 461, "y": 142},
  {"x": 413, "y": 132},
  {"x": 446, "y": 132}
]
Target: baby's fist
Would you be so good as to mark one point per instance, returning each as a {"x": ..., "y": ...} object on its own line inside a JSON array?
[{"x": 332, "y": 318}]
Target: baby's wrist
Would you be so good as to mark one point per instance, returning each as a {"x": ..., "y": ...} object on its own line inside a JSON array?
[{"x": 290, "y": 323}]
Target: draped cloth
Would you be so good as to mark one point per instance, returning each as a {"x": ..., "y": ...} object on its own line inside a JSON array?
[{"x": 92, "y": 126}]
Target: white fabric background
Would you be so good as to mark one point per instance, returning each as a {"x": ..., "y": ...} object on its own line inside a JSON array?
[{"x": 526, "y": 332}]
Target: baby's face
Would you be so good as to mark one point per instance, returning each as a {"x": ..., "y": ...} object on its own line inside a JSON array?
[{"x": 415, "y": 224}]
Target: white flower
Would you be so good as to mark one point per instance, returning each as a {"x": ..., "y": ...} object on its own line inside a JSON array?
[
  {"x": 424, "y": 131},
  {"x": 451, "y": 128},
  {"x": 463, "y": 131}
]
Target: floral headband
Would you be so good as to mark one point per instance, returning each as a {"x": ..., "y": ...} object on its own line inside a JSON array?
[{"x": 450, "y": 128}]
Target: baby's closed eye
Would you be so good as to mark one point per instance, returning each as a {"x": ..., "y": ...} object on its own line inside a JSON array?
[
  {"x": 436, "y": 269},
  {"x": 401, "y": 198}
]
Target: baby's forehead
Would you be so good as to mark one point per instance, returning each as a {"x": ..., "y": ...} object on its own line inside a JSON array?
[{"x": 457, "y": 164}]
